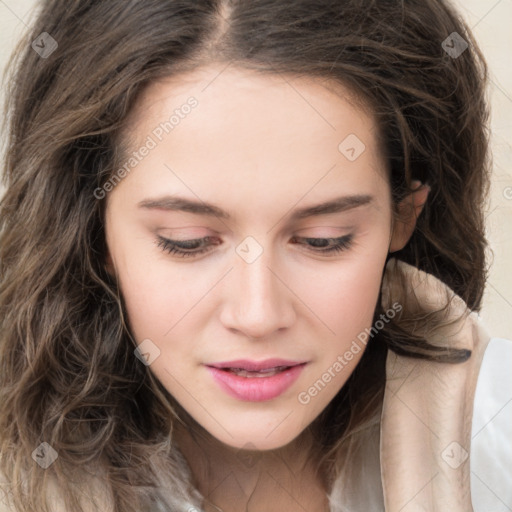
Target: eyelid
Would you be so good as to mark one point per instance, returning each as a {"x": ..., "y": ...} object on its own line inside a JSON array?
[
  {"x": 179, "y": 247},
  {"x": 339, "y": 229}
]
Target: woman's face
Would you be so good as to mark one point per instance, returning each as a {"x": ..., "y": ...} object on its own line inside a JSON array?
[{"x": 276, "y": 191}]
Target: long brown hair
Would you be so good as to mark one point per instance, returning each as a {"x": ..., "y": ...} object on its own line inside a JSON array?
[{"x": 67, "y": 371}]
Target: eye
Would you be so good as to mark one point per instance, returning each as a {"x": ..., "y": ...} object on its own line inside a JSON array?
[
  {"x": 196, "y": 246},
  {"x": 327, "y": 245},
  {"x": 185, "y": 248}
]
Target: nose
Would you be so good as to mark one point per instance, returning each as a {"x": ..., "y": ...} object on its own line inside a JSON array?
[{"x": 258, "y": 301}]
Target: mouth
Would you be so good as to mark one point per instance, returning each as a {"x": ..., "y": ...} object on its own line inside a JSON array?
[
  {"x": 256, "y": 381},
  {"x": 248, "y": 368},
  {"x": 268, "y": 372}
]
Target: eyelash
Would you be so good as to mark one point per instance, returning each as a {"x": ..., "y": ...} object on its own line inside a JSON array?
[{"x": 180, "y": 248}]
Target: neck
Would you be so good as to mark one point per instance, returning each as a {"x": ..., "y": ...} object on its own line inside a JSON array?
[{"x": 233, "y": 479}]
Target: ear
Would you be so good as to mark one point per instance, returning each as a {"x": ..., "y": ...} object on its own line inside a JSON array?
[{"x": 409, "y": 210}]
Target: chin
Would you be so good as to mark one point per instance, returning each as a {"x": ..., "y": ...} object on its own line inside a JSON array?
[{"x": 255, "y": 437}]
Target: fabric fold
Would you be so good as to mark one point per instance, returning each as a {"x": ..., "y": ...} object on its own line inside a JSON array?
[{"x": 426, "y": 420}]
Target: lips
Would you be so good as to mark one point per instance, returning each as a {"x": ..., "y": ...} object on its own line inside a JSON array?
[
  {"x": 256, "y": 380},
  {"x": 255, "y": 366},
  {"x": 267, "y": 372}
]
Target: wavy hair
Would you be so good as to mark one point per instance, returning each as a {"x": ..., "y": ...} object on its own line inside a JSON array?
[{"x": 67, "y": 371}]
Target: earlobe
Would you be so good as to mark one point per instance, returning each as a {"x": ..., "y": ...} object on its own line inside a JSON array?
[{"x": 409, "y": 210}]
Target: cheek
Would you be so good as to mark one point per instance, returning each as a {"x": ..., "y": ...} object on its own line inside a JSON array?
[
  {"x": 352, "y": 294},
  {"x": 155, "y": 303},
  {"x": 347, "y": 305},
  {"x": 155, "y": 293},
  {"x": 345, "y": 301},
  {"x": 345, "y": 297}
]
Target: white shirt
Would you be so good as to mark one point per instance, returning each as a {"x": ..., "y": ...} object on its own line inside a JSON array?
[{"x": 491, "y": 433}]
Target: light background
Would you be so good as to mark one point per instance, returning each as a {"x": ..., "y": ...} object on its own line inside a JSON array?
[{"x": 490, "y": 21}]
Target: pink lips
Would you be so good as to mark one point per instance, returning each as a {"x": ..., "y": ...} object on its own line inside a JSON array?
[{"x": 251, "y": 384}]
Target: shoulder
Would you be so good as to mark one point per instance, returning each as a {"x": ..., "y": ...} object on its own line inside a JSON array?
[{"x": 491, "y": 450}]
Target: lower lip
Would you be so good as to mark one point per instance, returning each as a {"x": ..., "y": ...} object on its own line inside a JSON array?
[{"x": 256, "y": 389}]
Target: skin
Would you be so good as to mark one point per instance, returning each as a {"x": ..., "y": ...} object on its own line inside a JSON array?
[{"x": 259, "y": 147}]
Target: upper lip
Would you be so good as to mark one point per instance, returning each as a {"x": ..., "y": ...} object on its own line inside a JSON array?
[{"x": 246, "y": 364}]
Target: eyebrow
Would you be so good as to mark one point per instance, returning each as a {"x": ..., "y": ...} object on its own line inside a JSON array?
[{"x": 176, "y": 203}]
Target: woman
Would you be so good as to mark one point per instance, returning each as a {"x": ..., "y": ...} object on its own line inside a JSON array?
[{"x": 242, "y": 254}]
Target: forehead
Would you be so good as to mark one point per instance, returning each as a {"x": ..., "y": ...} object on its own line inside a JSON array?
[
  {"x": 255, "y": 101},
  {"x": 278, "y": 132}
]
